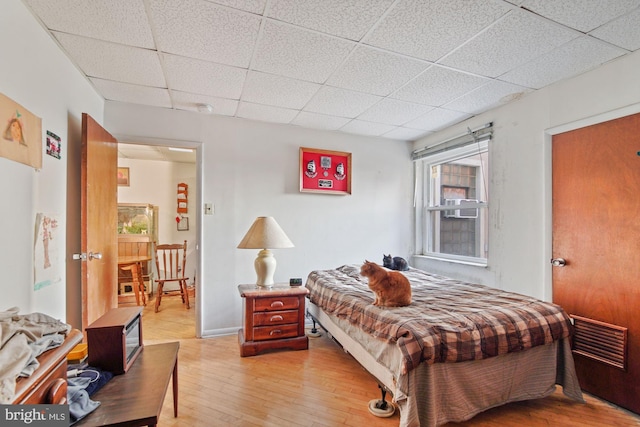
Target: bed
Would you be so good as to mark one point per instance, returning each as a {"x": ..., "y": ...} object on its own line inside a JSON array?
[{"x": 457, "y": 350}]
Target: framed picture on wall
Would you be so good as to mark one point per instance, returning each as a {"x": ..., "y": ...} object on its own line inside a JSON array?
[
  {"x": 325, "y": 171},
  {"x": 123, "y": 177},
  {"x": 183, "y": 224}
]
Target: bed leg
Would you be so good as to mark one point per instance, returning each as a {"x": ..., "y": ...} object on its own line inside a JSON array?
[
  {"x": 313, "y": 332},
  {"x": 381, "y": 408}
]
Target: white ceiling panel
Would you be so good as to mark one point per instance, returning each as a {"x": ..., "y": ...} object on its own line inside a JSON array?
[
  {"x": 438, "y": 85},
  {"x": 405, "y": 134},
  {"x": 269, "y": 89},
  {"x": 486, "y": 97},
  {"x": 134, "y": 94},
  {"x": 373, "y": 71},
  {"x": 106, "y": 60},
  {"x": 191, "y": 101},
  {"x": 253, "y": 6},
  {"x": 512, "y": 41},
  {"x": 203, "y": 30},
  {"x": 394, "y": 112},
  {"x": 577, "y": 56},
  {"x": 265, "y": 113},
  {"x": 340, "y": 102},
  {"x": 319, "y": 121},
  {"x": 301, "y": 54},
  {"x": 123, "y": 22},
  {"x": 367, "y": 128},
  {"x": 437, "y": 119},
  {"x": 348, "y": 19},
  {"x": 430, "y": 29},
  {"x": 400, "y": 68},
  {"x": 623, "y": 32},
  {"x": 196, "y": 76},
  {"x": 583, "y": 15}
]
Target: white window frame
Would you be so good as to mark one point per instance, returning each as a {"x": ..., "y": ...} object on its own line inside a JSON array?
[{"x": 423, "y": 208}]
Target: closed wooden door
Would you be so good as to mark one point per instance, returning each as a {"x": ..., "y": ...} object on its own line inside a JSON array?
[
  {"x": 596, "y": 230},
  {"x": 99, "y": 199}
]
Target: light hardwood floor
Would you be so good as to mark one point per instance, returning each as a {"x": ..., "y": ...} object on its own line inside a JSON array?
[{"x": 322, "y": 386}]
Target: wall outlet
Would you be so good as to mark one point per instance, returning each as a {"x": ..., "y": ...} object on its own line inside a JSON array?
[{"x": 208, "y": 208}]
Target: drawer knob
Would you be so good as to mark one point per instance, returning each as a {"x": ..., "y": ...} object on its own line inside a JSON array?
[
  {"x": 276, "y": 318},
  {"x": 277, "y": 304},
  {"x": 275, "y": 332}
]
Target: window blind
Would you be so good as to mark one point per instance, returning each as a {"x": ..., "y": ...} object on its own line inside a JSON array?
[{"x": 471, "y": 137}]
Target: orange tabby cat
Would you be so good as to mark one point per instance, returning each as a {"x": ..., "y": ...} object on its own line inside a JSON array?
[{"x": 391, "y": 288}]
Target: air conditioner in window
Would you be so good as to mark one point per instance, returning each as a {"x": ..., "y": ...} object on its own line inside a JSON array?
[{"x": 460, "y": 213}]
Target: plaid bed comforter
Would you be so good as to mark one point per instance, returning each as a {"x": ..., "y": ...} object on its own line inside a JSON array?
[{"x": 447, "y": 321}]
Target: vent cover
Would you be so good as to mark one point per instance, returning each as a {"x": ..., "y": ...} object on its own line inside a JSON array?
[{"x": 600, "y": 341}]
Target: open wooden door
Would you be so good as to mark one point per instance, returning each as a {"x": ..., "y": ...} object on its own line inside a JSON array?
[
  {"x": 596, "y": 234},
  {"x": 99, "y": 200}
]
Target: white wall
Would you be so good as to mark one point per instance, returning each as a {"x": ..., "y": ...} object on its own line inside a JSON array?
[
  {"x": 251, "y": 169},
  {"x": 38, "y": 76},
  {"x": 520, "y": 177}
]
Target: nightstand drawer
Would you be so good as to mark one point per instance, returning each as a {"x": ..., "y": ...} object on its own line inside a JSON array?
[
  {"x": 276, "y": 303},
  {"x": 275, "y": 332},
  {"x": 267, "y": 318}
]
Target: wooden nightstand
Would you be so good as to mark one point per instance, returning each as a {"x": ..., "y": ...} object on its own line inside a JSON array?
[{"x": 273, "y": 318}]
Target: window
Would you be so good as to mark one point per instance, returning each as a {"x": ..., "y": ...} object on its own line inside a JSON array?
[{"x": 452, "y": 198}]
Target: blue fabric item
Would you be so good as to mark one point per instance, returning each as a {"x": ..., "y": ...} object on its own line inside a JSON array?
[
  {"x": 97, "y": 376},
  {"x": 80, "y": 405}
]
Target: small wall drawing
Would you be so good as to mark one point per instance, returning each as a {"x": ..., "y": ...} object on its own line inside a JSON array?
[
  {"x": 45, "y": 251},
  {"x": 54, "y": 145},
  {"x": 21, "y": 133}
]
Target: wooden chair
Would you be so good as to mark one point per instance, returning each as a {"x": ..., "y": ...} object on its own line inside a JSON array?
[
  {"x": 137, "y": 282},
  {"x": 170, "y": 265}
]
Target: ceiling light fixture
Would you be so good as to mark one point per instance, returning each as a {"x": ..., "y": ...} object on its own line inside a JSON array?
[
  {"x": 182, "y": 150},
  {"x": 205, "y": 108}
]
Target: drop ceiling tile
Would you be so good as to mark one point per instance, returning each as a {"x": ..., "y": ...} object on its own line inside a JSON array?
[
  {"x": 190, "y": 101},
  {"x": 253, "y": 6},
  {"x": 319, "y": 121},
  {"x": 394, "y": 112},
  {"x": 297, "y": 53},
  {"x": 438, "y": 85},
  {"x": 489, "y": 96},
  {"x": 340, "y": 102},
  {"x": 361, "y": 127},
  {"x": 123, "y": 22},
  {"x": 430, "y": 29},
  {"x": 575, "y": 57},
  {"x": 269, "y": 89},
  {"x": 373, "y": 71},
  {"x": 350, "y": 19},
  {"x": 134, "y": 94},
  {"x": 623, "y": 32},
  {"x": 406, "y": 134},
  {"x": 514, "y": 40},
  {"x": 112, "y": 61},
  {"x": 265, "y": 113},
  {"x": 583, "y": 15},
  {"x": 437, "y": 119},
  {"x": 203, "y": 30},
  {"x": 207, "y": 78}
]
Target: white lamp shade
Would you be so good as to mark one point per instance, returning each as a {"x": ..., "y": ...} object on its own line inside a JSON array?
[{"x": 265, "y": 234}]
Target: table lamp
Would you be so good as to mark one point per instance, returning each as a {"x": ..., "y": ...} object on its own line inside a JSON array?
[{"x": 265, "y": 234}]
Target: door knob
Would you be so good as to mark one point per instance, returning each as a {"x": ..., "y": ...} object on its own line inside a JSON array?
[
  {"x": 558, "y": 262},
  {"x": 84, "y": 257}
]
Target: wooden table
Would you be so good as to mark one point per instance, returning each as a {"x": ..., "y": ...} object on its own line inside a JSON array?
[
  {"x": 135, "y": 398},
  {"x": 134, "y": 264}
]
